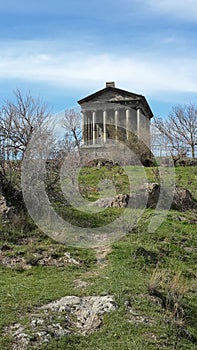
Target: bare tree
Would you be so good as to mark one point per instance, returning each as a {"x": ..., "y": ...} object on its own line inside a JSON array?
[
  {"x": 69, "y": 146},
  {"x": 72, "y": 124},
  {"x": 180, "y": 129},
  {"x": 19, "y": 119}
]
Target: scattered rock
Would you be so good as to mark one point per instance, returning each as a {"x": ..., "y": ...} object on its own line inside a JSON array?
[
  {"x": 69, "y": 315},
  {"x": 47, "y": 260},
  {"x": 80, "y": 284},
  {"x": 98, "y": 163},
  {"x": 147, "y": 196},
  {"x": 41, "y": 258},
  {"x": 13, "y": 261},
  {"x": 134, "y": 317},
  {"x": 119, "y": 201}
]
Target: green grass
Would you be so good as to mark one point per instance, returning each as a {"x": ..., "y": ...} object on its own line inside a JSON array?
[
  {"x": 129, "y": 271},
  {"x": 187, "y": 177},
  {"x": 127, "y": 275}
]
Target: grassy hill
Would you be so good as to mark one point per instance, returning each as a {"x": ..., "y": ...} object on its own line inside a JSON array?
[{"x": 152, "y": 276}]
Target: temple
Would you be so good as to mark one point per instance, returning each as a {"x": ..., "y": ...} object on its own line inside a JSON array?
[
  {"x": 111, "y": 108},
  {"x": 113, "y": 114}
]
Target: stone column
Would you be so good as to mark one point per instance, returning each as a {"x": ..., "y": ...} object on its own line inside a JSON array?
[
  {"x": 83, "y": 126},
  {"x": 91, "y": 130},
  {"x": 88, "y": 131},
  {"x": 127, "y": 121},
  {"x": 138, "y": 122},
  {"x": 104, "y": 126},
  {"x": 93, "y": 127},
  {"x": 116, "y": 123},
  {"x": 148, "y": 132}
]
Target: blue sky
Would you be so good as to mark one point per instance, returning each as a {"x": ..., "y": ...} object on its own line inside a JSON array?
[{"x": 64, "y": 50}]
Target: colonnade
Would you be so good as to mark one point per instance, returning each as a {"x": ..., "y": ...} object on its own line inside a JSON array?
[{"x": 96, "y": 134}]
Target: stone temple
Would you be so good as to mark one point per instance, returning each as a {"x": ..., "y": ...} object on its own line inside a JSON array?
[{"x": 111, "y": 112}]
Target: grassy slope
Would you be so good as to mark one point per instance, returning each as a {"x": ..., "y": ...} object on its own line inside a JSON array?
[{"x": 129, "y": 275}]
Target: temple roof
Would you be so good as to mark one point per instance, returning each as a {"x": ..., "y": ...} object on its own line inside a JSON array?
[{"x": 116, "y": 95}]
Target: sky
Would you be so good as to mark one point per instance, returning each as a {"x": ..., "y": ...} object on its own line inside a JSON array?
[{"x": 65, "y": 50}]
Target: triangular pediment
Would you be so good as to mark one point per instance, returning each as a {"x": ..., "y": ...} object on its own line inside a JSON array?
[{"x": 110, "y": 94}]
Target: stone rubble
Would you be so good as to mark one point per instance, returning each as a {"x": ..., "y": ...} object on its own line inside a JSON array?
[{"x": 44, "y": 258}]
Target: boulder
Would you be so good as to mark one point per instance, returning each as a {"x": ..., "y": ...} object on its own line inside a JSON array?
[
  {"x": 119, "y": 201},
  {"x": 183, "y": 199},
  {"x": 147, "y": 196}
]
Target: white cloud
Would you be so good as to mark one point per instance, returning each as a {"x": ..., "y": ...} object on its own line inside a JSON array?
[
  {"x": 183, "y": 9},
  {"x": 67, "y": 67}
]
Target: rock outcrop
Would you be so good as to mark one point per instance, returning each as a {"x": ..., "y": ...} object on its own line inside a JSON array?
[
  {"x": 68, "y": 315},
  {"x": 6, "y": 211}
]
